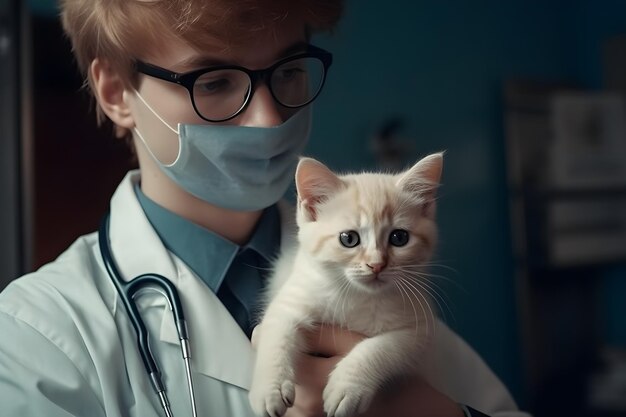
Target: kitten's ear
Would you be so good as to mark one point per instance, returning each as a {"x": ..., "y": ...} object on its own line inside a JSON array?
[
  {"x": 422, "y": 179},
  {"x": 315, "y": 183}
]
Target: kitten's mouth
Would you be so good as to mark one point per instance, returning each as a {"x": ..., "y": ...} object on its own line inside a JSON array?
[{"x": 373, "y": 281}]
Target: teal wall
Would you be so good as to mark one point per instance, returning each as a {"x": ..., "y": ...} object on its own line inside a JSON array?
[
  {"x": 591, "y": 23},
  {"x": 43, "y": 7},
  {"x": 441, "y": 65},
  {"x": 612, "y": 308}
]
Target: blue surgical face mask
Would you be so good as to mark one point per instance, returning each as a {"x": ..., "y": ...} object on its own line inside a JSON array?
[{"x": 236, "y": 167}]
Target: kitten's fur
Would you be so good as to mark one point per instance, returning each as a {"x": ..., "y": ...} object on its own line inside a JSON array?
[{"x": 322, "y": 281}]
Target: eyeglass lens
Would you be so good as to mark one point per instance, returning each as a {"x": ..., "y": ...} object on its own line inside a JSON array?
[{"x": 220, "y": 94}]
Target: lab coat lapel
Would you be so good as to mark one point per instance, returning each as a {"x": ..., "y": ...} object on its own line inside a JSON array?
[
  {"x": 135, "y": 244},
  {"x": 219, "y": 347}
]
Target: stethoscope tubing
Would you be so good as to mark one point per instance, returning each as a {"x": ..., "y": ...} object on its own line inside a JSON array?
[{"x": 127, "y": 291}]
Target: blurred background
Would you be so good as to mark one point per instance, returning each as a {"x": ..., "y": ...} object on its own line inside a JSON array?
[{"x": 527, "y": 99}]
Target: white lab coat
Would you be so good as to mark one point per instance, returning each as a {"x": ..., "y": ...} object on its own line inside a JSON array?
[{"x": 67, "y": 347}]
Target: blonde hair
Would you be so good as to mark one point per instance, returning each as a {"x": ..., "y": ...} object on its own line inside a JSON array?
[{"x": 118, "y": 31}]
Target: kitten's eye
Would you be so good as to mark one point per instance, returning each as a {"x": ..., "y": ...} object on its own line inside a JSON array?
[
  {"x": 399, "y": 237},
  {"x": 349, "y": 239}
]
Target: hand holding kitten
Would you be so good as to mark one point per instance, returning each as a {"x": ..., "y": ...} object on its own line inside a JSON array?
[{"x": 327, "y": 346}]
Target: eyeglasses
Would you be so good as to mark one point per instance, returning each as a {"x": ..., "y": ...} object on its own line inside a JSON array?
[{"x": 221, "y": 93}]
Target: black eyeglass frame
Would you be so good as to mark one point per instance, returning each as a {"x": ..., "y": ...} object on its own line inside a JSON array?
[{"x": 188, "y": 79}]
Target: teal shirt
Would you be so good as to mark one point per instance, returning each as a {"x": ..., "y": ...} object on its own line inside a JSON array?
[{"x": 235, "y": 273}]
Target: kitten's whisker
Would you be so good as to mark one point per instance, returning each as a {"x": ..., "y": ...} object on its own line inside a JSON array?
[
  {"x": 434, "y": 295},
  {"x": 402, "y": 295},
  {"x": 437, "y": 265},
  {"x": 430, "y": 320},
  {"x": 345, "y": 295},
  {"x": 438, "y": 291},
  {"x": 433, "y": 277},
  {"x": 437, "y": 295},
  {"x": 418, "y": 293},
  {"x": 413, "y": 276},
  {"x": 410, "y": 281},
  {"x": 416, "y": 270},
  {"x": 401, "y": 286},
  {"x": 421, "y": 267},
  {"x": 260, "y": 268},
  {"x": 436, "y": 288},
  {"x": 442, "y": 263}
]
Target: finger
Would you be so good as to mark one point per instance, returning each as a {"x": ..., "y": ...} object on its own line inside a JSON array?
[
  {"x": 330, "y": 340},
  {"x": 311, "y": 377},
  {"x": 312, "y": 372}
]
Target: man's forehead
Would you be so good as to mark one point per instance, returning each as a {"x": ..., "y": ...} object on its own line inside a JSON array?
[
  {"x": 258, "y": 52},
  {"x": 203, "y": 59}
]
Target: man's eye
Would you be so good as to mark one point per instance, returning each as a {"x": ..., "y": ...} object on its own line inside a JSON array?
[
  {"x": 286, "y": 74},
  {"x": 212, "y": 86}
]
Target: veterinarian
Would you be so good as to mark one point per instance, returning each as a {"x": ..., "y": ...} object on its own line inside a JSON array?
[{"x": 152, "y": 316}]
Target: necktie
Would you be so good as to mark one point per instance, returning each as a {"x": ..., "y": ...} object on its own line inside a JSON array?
[{"x": 242, "y": 287}]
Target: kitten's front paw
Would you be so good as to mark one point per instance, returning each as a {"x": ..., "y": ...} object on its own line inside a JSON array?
[
  {"x": 272, "y": 399},
  {"x": 345, "y": 396}
]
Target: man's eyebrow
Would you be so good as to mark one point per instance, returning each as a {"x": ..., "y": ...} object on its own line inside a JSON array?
[
  {"x": 205, "y": 61},
  {"x": 293, "y": 49},
  {"x": 198, "y": 61}
]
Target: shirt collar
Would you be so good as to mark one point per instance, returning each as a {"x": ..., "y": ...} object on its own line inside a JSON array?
[
  {"x": 265, "y": 239},
  {"x": 204, "y": 252}
]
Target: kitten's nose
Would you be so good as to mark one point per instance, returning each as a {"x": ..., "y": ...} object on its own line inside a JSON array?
[{"x": 377, "y": 267}]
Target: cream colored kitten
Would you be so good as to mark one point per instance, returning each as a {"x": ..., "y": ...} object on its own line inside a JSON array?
[{"x": 363, "y": 241}]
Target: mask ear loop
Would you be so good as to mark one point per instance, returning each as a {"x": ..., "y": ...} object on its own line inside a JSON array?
[{"x": 176, "y": 131}]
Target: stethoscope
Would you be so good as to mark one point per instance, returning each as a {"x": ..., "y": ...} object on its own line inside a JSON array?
[{"x": 128, "y": 291}]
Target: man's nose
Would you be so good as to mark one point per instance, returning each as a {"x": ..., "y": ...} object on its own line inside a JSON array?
[{"x": 263, "y": 110}]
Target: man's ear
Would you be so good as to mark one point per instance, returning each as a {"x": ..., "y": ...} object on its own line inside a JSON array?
[{"x": 109, "y": 90}]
